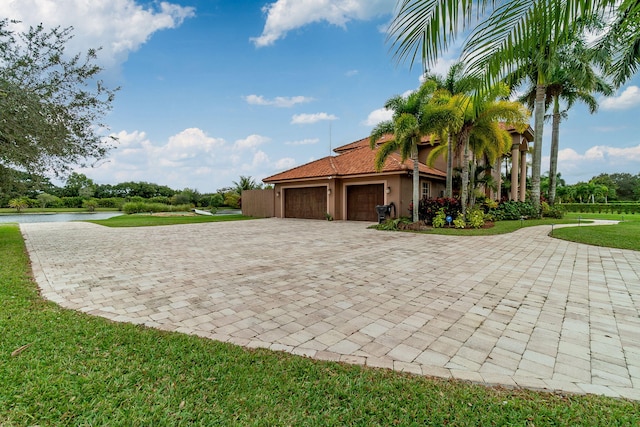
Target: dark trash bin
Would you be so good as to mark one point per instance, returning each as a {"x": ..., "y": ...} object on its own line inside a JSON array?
[{"x": 383, "y": 211}]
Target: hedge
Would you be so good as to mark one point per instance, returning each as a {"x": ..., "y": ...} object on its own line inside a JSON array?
[{"x": 611, "y": 208}]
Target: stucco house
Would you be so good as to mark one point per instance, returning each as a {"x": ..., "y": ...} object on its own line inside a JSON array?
[{"x": 347, "y": 187}]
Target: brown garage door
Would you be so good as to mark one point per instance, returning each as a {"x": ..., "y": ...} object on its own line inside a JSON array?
[
  {"x": 309, "y": 202},
  {"x": 362, "y": 201}
]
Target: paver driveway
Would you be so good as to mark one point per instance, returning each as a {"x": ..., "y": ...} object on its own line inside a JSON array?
[{"x": 520, "y": 309}]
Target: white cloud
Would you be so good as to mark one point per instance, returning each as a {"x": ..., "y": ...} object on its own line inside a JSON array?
[
  {"x": 259, "y": 162},
  {"x": 191, "y": 146},
  {"x": 576, "y": 166},
  {"x": 278, "y": 101},
  {"x": 377, "y": 116},
  {"x": 308, "y": 141},
  {"x": 119, "y": 26},
  {"x": 285, "y": 163},
  {"x": 629, "y": 98},
  {"x": 441, "y": 67},
  {"x": 136, "y": 158},
  {"x": 351, "y": 73},
  {"x": 287, "y": 15},
  {"x": 251, "y": 141},
  {"x": 608, "y": 129},
  {"x": 190, "y": 158},
  {"x": 305, "y": 119}
]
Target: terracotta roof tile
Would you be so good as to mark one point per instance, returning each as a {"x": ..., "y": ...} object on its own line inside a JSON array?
[
  {"x": 364, "y": 142},
  {"x": 357, "y": 160}
]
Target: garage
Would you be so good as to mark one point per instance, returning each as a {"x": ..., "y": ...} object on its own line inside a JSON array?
[
  {"x": 362, "y": 201},
  {"x": 307, "y": 202}
]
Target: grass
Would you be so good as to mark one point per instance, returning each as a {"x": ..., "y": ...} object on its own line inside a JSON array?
[
  {"x": 614, "y": 217},
  {"x": 625, "y": 235},
  {"x": 499, "y": 227},
  {"x": 146, "y": 220},
  {"x": 84, "y": 370}
]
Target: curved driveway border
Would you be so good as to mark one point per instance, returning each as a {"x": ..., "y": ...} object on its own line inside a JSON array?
[{"x": 519, "y": 310}]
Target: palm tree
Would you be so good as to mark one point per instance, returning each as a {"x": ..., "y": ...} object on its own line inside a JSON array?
[
  {"x": 455, "y": 82},
  {"x": 572, "y": 79},
  {"x": 413, "y": 118},
  {"x": 481, "y": 115},
  {"x": 506, "y": 39},
  {"x": 245, "y": 183},
  {"x": 622, "y": 42}
]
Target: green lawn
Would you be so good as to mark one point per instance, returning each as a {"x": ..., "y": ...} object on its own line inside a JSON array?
[
  {"x": 499, "y": 227},
  {"x": 625, "y": 235},
  {"x": 615, "y": 217},
  {"x": 89, "y": 371},
  {"x": 146, "y": 220}
]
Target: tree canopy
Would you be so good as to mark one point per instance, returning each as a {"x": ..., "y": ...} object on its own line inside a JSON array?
[{"x": 51, "y": 103}]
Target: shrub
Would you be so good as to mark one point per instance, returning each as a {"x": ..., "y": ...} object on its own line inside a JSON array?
[
  {"x": 72, "y": 202},
  {"x": 46, "y": 199},
  {"x": 555, "y": 211},
  {"x": 160, "y": 199},
  {"x": 232, "y": 200},
  {"x": 393, "y": 224},
  {"x": 475, "y": 218},
  {"x": 90, "y": 204},
  {"x": 217, "y": 200},
  {"x": 459, "y": 221},
  {"x": 513, "y": 210},
  {"x": 490, "y": 204},
  {"x": 19, "y": 203},
  {"x": 440, "y": 219},
  {"x": 134, "y": 207},
  {"x": 111, "y": 202},
  {"x": 139, "y": 207},
  {"x": 428, "y": 208}
]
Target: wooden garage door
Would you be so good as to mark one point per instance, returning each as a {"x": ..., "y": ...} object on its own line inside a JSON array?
[
  {"x": 362, "y": 201},
  {"x": 309, "y": 202}
]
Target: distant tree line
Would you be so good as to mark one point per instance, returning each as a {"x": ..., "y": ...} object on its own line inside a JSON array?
[
  {"x": 23, "y": 190},
  {"x": 604, "y": 188}
]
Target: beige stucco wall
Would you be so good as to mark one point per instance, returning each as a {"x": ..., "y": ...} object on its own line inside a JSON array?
[
  {"x": 423, "y": 153},
  {"x": 398, "y": 189}
]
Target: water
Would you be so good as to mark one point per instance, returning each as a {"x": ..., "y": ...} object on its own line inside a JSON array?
[{"x": 56, "y": 217}]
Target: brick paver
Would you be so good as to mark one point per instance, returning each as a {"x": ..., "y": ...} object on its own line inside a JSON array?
[{"x": 521, "y": 310}]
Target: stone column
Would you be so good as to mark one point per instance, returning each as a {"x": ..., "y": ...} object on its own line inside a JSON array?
[
  {"x": 515, "y": 158},
  {"x": 523, "y": 175}
]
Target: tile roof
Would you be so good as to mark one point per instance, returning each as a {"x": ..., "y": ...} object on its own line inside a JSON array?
[
  {"x": 358, "y": 159},
  {"x": 364, "y": 142}
]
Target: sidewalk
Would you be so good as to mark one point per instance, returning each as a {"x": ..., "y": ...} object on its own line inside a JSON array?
[{"x": 520, "y": 310}]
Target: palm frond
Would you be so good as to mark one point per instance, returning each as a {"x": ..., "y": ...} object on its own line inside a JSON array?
[{"x": 384, "y": 151}]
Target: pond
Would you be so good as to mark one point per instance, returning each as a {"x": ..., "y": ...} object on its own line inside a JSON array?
[{"x": 56, "y": 217}]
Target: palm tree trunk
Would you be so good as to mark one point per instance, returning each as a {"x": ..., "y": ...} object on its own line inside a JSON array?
[
  {"x": 553, "y": 162},
  {"x": 448, "y": 192},
  {"x": 537, "y": 146},
  {"x": 497, "y": 168},
  {"x": 464, "y": 192},
  {"x": 416, "y": 182},
  {"x": 472, "y": 181}
]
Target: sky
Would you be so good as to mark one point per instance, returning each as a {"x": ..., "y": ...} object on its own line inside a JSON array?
[{"x": 212, "y": 90}]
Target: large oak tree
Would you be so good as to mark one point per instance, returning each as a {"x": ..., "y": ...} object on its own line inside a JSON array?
[{"x": 51, "y": 103}]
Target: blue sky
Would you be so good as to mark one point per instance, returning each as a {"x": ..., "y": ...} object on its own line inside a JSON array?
[{"x": 216, "y": 89}]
